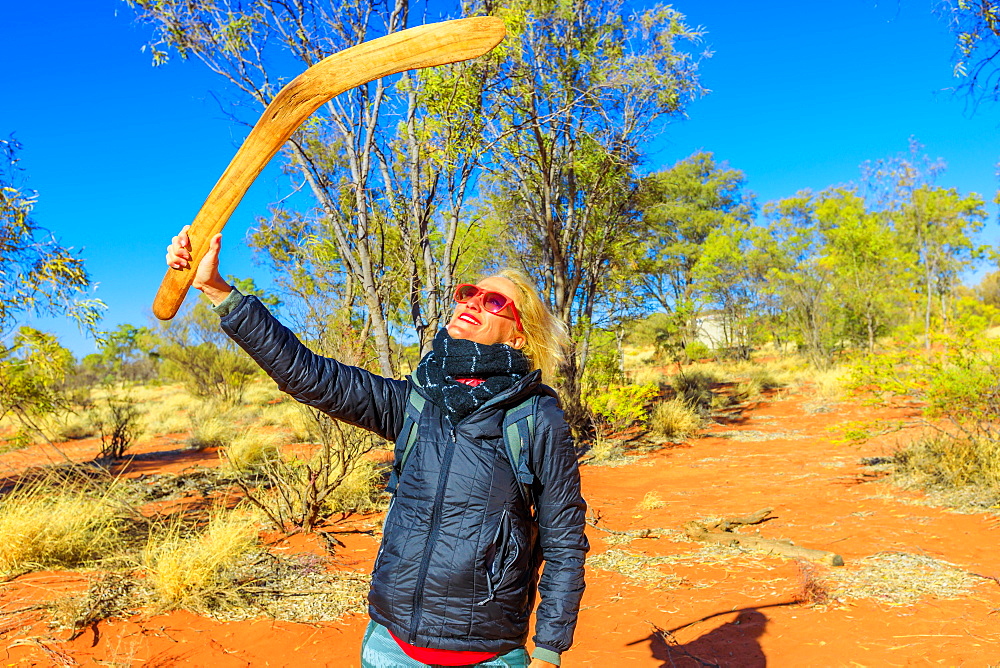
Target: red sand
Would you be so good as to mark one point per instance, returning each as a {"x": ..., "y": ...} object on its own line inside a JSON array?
[{"x": 735, "y": 614}]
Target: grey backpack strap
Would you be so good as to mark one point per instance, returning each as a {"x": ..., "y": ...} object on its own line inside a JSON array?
[
  {"x": 406, "y": 438},
  {"x": 518, "y": 435}
]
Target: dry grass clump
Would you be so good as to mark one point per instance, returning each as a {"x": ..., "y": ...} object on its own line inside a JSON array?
[
  {"x": 212, "y": 425},
  {"x": 825, "y": 385},
  {"x": 967, "y": 468},
  {"x": 167, "y": 413},
  {"x": 746, "y": 390},
  {"x": 361, "y": 490},
  {"x": 261, "y": 393},
  {"x": 651, "y": 501},
  {"x": 73, "y": 426},
  {"x": 647, "y": 375},
  {"x": 189, "y": 571},
  {"x": 606, "y": 452},
  {"x": 897, "y": 578},
  {"x": 694, "y": 387},
  {"x": 290, "y": 417},
  {"x": 674, "y": 419},
  {"x": 48, "y": 525},
  {"x": 250, "y": 450},
  {"x": 638, "y": 567}
]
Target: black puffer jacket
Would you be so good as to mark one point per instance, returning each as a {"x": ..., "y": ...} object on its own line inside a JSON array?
[{"x": 458, "y": 564}]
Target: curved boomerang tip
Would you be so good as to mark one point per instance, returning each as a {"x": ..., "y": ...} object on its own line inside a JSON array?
[{"x": 422, "y": 46}]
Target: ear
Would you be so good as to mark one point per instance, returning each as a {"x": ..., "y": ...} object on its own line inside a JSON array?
[{"x": 516, "y": 341}]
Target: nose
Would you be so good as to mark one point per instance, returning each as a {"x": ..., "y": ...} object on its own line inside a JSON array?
[{"x": 476, "y": 301}]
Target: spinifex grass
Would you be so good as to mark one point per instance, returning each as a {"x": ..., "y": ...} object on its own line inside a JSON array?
[
  {"x": 189, "y": 571},
  {"x": 674, "y": 419},
  {"x": 48, "y": 524}
]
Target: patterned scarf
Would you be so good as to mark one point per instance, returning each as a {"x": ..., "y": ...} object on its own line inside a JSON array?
[{"x": 501, "y": 366}]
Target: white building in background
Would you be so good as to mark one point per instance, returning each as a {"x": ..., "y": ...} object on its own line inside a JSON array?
[{"x": 710, "y": 329}]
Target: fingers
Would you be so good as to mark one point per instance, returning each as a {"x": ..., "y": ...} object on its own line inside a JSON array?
[{"x": 178, "y": 252}]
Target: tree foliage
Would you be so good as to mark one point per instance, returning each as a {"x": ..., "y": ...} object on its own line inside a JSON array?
[
  {"x": 975, "y": 25},
  {"x": 37, "y": 274},
  {"x": 681, "y": 207},
  {"x": 33, "y": 370},
  {"x": 586, "y": 85}
]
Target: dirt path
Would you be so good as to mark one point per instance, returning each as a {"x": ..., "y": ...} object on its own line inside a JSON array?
[{"x": 662, "y": 600}]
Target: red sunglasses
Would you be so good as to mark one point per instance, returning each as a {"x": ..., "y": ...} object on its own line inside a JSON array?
[{"x": 493, "y": 302}]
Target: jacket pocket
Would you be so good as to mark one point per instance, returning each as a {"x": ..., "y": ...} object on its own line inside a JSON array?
[
  {"x": 501, "y": 554},
  {"x": 385, "y": 529}
]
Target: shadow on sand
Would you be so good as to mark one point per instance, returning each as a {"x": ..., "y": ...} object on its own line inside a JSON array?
[{"x": 732, "y": 645}]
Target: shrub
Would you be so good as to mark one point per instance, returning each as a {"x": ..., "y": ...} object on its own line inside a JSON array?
[
  {"x": 622, "y": 405},
  {"x": 959, "y": 381},
  {"x": 189, "y": 572},
  {"x": 47, "y": 524},
  {"x": 696, "y": 350},
  {"x": 118, "y": 422},
  {"x": 695, "y": 387},
  {"x": 946, "y": 461},
  {"x": 251, "y": 450},
  {"x": 674, "y": 419},
  {"x": 300, "y": 492}
]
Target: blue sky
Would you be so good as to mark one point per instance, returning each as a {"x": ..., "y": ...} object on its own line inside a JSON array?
[{"x": 122, "y": 154}]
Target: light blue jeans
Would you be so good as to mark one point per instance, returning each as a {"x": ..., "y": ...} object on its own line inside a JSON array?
[{"x": 380, "y": 650}]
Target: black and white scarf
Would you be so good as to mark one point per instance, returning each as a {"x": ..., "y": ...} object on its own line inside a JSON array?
[{"x": 500, "y": 365}]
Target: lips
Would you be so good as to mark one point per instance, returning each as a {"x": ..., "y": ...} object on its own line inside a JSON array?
[{"x": 469, "y": 318}]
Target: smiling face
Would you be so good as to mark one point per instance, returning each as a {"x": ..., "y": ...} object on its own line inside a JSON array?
[{"x": 472, "y": 322}]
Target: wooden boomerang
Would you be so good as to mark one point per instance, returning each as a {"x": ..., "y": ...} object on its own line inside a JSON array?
[{"x": 423, "y": 46}]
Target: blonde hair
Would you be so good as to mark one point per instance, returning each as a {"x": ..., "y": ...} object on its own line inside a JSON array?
[{"x": 544, "y": 334}]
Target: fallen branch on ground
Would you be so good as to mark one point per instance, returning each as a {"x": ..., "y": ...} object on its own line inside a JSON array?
[{"x": 721, "y": 532}]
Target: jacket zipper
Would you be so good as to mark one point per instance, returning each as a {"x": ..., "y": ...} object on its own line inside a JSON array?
[
  {"x": 418, "y": 597},
  {"x": 508, "y": 559}
]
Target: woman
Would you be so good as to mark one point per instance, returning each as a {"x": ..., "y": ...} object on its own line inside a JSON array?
[{"x": 456, "y": 574}]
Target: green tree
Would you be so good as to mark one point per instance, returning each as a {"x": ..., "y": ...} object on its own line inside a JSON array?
[
  {"x": 196, "y": 352},
  {"x": 867, "y": 262},
  {"x": 682, "y": 205},
  {"x": 37, "y": 274},
  {"x": 988, "y": 290},
  {"x": 939, "y": 226},
  {"x": 390, "y": 165},
  {"x": 730, "y": 276},
  {"x": 975, "y": 25},
  {"x": 33, "y": 370},
  {"x": 586, "y": 85}
]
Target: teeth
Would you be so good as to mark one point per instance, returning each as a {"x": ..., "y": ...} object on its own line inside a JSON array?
[{"x": 468, "y": 318}]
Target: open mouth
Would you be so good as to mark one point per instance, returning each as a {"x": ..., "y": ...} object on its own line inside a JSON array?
[{"x": 468, "y": 318}]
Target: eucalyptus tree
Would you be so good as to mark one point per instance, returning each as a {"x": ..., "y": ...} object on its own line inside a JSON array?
[
  {"x": 868, "y": 263},
  {"x": 37, "y": 274},
  {"x": 975, "y": 25},
  {"x": 682, "y": 206},
  {"x": 940, "y": 227},
  {"x": 389, "y": 165},
  {"x": 587, "y": 84}
]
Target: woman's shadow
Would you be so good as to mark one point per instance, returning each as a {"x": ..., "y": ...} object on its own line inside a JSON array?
[{"x": 732, "y": 645}]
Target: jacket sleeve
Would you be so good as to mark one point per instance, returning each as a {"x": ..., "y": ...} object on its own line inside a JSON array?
[
  {"x": 561, "y": 522},
  {"x": 345, "y": 392}
]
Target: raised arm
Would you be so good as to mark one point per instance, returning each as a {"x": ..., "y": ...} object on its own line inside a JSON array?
[{"x": 342, "y": 391}]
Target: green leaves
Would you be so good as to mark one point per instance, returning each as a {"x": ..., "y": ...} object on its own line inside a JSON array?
[{"x": 37, "y": 274}]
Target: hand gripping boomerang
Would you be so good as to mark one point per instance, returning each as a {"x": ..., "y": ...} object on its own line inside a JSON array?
[{"x": 423, "y": 46}]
